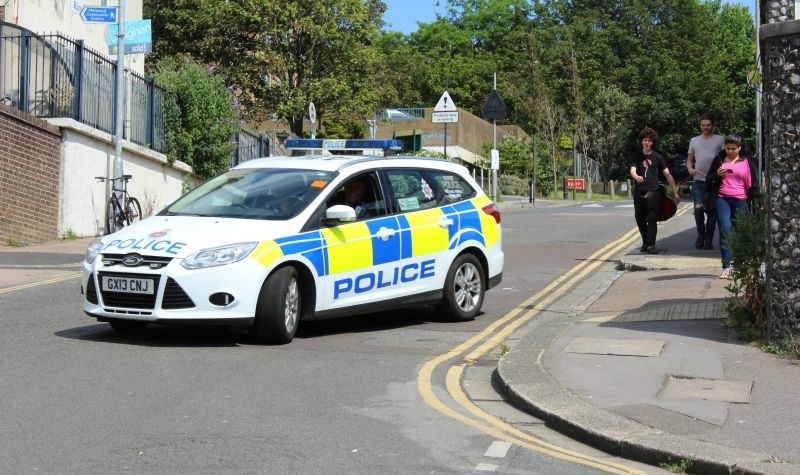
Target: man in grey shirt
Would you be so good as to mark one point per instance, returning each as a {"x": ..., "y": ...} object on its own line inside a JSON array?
[{"x": 702, "y": 150}]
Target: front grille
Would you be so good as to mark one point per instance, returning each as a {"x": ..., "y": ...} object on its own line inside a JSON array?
[
  {"x": 175, "y": 297},
  {"x": 152, "y": 262},
  {"x": 91, "y": 291},
  {"x": 129, "y": 300}
]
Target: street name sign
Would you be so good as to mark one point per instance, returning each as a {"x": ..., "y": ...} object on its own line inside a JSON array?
[{"x": 99, "y": 14}]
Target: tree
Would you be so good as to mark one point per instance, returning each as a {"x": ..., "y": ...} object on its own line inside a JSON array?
[
  {"x": 281, "y": 54},
  {"x": 201, "y": 118},
  {"x": 608, "y": 127}
]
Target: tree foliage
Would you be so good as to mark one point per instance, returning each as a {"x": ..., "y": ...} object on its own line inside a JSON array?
[
  {"x": 279, "y": 55},
  {"x": 201, "y": 118}
]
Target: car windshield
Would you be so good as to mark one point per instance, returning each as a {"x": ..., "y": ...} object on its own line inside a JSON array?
[{"x": 253, "y": 193}]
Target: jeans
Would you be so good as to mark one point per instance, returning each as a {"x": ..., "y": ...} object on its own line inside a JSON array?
[
  {"x": 646, "y": 214},
  {"x": 727, "y": 209},
  {"x": 704, "y": 220}
]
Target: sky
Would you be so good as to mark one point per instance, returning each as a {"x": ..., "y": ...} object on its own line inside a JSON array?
[{"x": 403, "y": 15}]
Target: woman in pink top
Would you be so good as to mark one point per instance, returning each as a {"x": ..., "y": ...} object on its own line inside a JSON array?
[{"x": 733, "y": 176}]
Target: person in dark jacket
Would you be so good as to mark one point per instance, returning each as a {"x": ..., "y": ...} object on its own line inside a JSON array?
[
  {"x": 732, "y": 182},
  {"x": 645, "y": 165}
]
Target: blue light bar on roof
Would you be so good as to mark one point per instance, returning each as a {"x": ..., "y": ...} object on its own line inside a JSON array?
[{"x": 345, "y": 144}]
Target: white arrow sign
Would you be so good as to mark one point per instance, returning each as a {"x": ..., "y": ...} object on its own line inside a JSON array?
[{"x": 445, "y": 104}]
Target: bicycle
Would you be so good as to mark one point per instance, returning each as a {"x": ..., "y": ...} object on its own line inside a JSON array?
[{"x": 118, "y": 217}]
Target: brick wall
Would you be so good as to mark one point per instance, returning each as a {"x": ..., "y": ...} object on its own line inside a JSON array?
[{"x": 30, "y": 164}]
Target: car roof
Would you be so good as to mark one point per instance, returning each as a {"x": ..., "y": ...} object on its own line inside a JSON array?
[{"x": 340, "y": 162}]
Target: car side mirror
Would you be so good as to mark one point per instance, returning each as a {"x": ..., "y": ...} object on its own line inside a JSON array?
[{"x": 338, "y": 214}]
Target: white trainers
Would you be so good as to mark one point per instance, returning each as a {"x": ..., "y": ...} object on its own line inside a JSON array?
[{"x": 726, "y": 273}]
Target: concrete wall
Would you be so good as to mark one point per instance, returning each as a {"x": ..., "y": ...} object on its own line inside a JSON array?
[
  {"x": 86, "y": 153},
  {"x": 465, "y": 138},
  {"x": 58, "y": 16},
  {"x": 780, "y": 43},
  {"x": 29, "y": 177}
]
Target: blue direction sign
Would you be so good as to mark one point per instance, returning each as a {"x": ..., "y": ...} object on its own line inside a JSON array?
[{"x": 99, "y": 14}]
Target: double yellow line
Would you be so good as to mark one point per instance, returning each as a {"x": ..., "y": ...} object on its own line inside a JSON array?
[
  {"x": 40, "y": 282},
  {"x": 492, "y": 336}
]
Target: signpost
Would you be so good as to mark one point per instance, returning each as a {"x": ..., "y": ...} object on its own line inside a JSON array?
[
  {"x": 99, "y": 14},
  {"x": 312, "y": 117},
  {"x": 445, "y": 112},
  {"x": 494, "y": 109}
]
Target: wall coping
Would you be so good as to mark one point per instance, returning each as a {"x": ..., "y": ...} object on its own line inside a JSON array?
[
  {"x": 29, "y": 119},
  {"x": 782, "y": 28},
  {"x": 72, "y": 124}
]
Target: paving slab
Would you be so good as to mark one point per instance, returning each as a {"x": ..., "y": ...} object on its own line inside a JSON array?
[
  {"x": 678, "y": 387},
  {"x": 615, "y": 346}
]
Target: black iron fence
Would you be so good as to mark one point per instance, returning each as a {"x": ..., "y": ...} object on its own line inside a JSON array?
[{"x": 54, "y": 76}]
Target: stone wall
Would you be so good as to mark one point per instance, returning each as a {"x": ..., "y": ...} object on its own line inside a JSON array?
[
  {"x": 30, "y": 171},
  {"x": 780, "y": 48}
]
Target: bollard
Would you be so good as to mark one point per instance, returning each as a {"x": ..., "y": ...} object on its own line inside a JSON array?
[
  {"x": 566, "y": 194},
  {"x": 612, "y": 190}
]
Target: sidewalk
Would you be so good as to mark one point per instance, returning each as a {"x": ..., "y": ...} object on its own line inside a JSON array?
[
  {"x": 53, "y": 260},
  {"x": 647, "y": 371}
]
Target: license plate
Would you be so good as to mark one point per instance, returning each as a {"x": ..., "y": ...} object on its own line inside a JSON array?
[{"x": 128, "y": 285}]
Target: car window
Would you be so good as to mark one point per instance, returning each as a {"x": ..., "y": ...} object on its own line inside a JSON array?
[
  {"x": 253, "y": 193},
  {"x": 411, "y": 190},
  {"x": 363, "y": 194},
  {"x": 454, "y": 187}
]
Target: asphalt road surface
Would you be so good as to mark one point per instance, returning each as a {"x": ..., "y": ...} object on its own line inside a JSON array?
[{"x": 343, "y": 397}]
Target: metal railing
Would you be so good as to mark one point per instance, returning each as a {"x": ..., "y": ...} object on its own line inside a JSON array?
[
  {"x": 250, "y": 145},
  {"x": 54, "y": 76},
  {"x": 401, "y": 113}
]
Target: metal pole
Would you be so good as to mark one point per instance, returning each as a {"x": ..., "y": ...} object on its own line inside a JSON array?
[
  {"x": 494, "y": 145},
  {"x": 445, "y": 140},
  {"x": 120, "y": 92},
  {"x": 574, "y": 168}
]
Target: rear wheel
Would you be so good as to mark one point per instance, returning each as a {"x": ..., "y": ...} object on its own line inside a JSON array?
[
  {"x": 464, "y": 289},
  {"x": 133, "y": 211},
  {"x": 113, "y": 217},
  {"x": 278, "y": 307}
]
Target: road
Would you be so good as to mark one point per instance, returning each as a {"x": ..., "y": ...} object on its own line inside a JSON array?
[{"x": 353, "y": 395}]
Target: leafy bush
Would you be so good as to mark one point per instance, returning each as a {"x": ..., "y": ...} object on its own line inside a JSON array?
[
  {"x": 201, "y": 117},
  {"x": 513, "y": 186},
  {"x": 747, "y": 243}
]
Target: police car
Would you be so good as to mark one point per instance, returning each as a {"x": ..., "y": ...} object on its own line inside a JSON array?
[{"x": 275, "y": 241}]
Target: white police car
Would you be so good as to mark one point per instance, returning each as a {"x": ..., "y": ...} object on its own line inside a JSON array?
[{"x": 279, "y": 240}]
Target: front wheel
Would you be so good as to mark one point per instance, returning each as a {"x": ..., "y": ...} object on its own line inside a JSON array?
[
  {"x": 113, "y": 217},
  {"x": 133, "y": 211},
  {"x": 464, "y": 289},
  {"x": 278, "y": 307}
]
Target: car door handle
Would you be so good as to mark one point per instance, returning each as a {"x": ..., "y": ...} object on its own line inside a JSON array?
[
  {"x": 446, "y": 222},
  {"x": 385, "y": 233}
]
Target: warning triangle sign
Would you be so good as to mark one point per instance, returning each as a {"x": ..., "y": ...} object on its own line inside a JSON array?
[
  {"x": 445, "y": 104},
  {"x": 494, "y": 108}
]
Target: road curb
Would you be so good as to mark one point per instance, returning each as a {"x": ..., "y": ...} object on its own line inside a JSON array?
[{"x": 528, "y": 385}]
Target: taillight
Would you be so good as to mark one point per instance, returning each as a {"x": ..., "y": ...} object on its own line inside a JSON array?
[{"x": 492, "y": 210}]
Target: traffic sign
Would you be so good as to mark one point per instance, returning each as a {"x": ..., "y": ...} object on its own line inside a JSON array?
[
  {"x": 495, "y": 159},
  {"x": 312, "y": 113},
  {"x": 445, "y": 104},
  {"x": 99, "y": 14},
  {"x": 444, "y": 117},
  {"x": 494, "y": 108}
]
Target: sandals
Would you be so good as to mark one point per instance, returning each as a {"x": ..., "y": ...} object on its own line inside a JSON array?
[{"x": 726, "y": 274}]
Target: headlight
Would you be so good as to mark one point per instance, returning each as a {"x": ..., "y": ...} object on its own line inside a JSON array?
[
  {"x": 219, "y": 256},
  {"x": 93, "y": 250}
]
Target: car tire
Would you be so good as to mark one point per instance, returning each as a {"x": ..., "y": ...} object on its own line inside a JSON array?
[
  {"x": 127, "y": 326},
  {"x": 278, "y": 307},
  {"x": 464, "y": 289}
]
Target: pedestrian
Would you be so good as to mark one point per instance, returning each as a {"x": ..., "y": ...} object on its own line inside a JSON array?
[
  {"x": 702, "y": 150},
  {"x": 645, "y": 165},
  {"x": 732, "y": 182}
]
